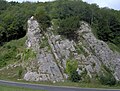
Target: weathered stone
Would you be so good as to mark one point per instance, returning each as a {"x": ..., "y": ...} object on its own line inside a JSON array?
[
  {"x": 31, "y": 76},
  {"x": 33, "y": 34},
  {"x": 50, "y": 66},
  {"x": 100, "y": 50}
]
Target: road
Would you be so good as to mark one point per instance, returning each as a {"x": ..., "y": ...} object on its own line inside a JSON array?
[{"x": 49, "y": 88}]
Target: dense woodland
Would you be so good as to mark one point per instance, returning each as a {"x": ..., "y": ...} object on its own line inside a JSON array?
[{"x": 64, "y": 13}]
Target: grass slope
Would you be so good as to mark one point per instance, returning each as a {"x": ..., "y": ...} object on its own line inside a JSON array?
[
  {"x": 11, "y": 88},
  {"x": 14, "y": 52},
  {"x": 10, "y": 50}
]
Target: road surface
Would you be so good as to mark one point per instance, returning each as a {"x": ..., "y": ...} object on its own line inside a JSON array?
[{"x": 49, "y": 88}]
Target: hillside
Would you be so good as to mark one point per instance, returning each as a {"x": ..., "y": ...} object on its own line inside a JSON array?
[{"x": 63, "y": 40}]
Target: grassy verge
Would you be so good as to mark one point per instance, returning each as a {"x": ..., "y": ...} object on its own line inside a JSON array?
[
  {"x": 74, "y": 84},
  {"x": 11, "y": 88},
  {"x": 78, "y": 84},
  {"x": 8, "y": 74}
]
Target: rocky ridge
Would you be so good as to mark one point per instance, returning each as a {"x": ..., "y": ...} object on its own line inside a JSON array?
[{"x": 52, "y": 53}]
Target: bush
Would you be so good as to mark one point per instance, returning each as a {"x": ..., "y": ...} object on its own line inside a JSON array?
[
  {"x": 42, "y": 17},
  {"x": 106, "y": 77},
  {"x": 85, "y": 77},
  {"x": 74, "y": 76},
  {"x": 20, "y": 71},
  {"x": 68, "y": 27},
  {"x": 28, "y": 54},
  {"x": 71, "y": 68},
  {"x": 10, "y": 50}
]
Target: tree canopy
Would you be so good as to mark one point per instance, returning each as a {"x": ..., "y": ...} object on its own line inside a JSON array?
[{"x": 67, "y": 13}]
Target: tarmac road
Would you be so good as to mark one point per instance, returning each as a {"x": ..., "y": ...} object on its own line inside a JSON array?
[{"x": 49, "y": 88}]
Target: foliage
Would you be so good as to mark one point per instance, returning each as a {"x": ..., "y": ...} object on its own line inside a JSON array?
[
  {"x": 55, "y": 24},
  {"x": 71, "y": 67},
  {"x": 42, "y": 17},
  {"x": 80, "y": 49},
  {"x": 68, "y": 27},
  {"x": 9, "y": 51},
  {"x": 15, "y": 51},
  {"x": 104, "y": 21},
  {"x": 13, "y": 20},
  {"x": 113, "y": 47},
  {"x": 106, "y": 77},
  {"x": 44, "y": 42},
  {"x": 12, "y": 88},
  {"x": 68, "y": 13},
  {"x": 20, "y": 72},
  {"x": 28, "y": 54},
  {"x": 3, "y": 5}
]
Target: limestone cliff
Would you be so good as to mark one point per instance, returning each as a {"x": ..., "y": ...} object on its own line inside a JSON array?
[{"x": 52, "y": 52}]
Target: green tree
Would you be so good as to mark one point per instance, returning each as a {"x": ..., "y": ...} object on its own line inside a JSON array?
[
  {"x": 42, "y": 17},
  {"x": 69, "y": 26}
]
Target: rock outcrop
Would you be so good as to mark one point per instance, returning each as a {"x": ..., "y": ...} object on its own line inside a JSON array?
[
  {"x": 44, "y": 67},
  {"x": 33, "y": 34},
  {"x": 52, "y": 53},
  {"x": 100, "y": 50}
]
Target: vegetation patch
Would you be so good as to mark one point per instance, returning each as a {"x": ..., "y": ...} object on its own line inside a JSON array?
[
  {"x": 10, "y": 50},
  {"x": 71, "y": 69},
  {"x": 113, "y": 47},
  {"x": 12, "y": 88},
  {"x": 80, "y": 50},
  {"x": 15, "y": 51},
  {"x": 28, "y": 54},
  {"x": 13, "y": 73},
  {"x": 106, "y": 77}
]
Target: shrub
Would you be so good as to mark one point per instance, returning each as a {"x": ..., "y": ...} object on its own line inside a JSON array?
[
  {"x": 42, "y": 17},
  {"x": 9, "y": 51},
  {"x": 106, "y": 77},
  {"x": 68, "y": 27},
  {"x": 28, "y": 54},
  {"x": 74, "y": 76},
  {"x": 20, "y": 71},
  {"x": 71, "y": 68},
  {"x": 85, "y": 77}
]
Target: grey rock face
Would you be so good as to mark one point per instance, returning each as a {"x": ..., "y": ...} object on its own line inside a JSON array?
[
  {"x": 45, "y": 66},
  {"x": 33, "y": 34},
  {"x": 60, "y": 48},
  {"x": 100, "y": 50},
  {"x": 53, "y": 53},
  {"x": 31, "y": 76}
]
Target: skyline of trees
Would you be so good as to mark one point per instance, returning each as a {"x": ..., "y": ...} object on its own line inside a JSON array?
[{"x": 14, "y": 15}]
